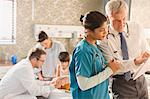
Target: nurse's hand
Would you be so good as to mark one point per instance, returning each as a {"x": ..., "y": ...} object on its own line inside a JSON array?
[{"x": 114, "y": 65}]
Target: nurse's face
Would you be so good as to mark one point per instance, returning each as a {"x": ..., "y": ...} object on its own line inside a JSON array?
[
  {"x": 46, "y": 43},
  {"x": 100, "y": 33},
  {"x": 40, "y": 61},
  {"x": 118, "y": 20}
]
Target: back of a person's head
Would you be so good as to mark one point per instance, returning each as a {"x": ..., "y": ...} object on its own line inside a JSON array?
[
  {"x": 36, "y": 53},
  {"x": 93, "y": 20},
  {"x": 114, "y": 6},
  {"x": 42, "y": 36},
  {"x": 64, "y": 56}
]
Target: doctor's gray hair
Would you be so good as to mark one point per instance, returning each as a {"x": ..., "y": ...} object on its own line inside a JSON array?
[{"x": 113, "y": 6}]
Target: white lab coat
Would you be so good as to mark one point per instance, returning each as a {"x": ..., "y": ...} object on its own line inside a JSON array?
[
  {"x": 136, "y": 44},
  {"x": 19, "y": 83}
]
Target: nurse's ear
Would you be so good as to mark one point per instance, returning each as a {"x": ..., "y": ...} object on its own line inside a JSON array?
[{"x": 86, "y": 32}]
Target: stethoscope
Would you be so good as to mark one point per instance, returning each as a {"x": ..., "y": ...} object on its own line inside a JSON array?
[
  {"x": 127, "y": 32},
  {"x": 100, "y": 59},
  {"x": 111, "y": 34},
  {"x": 97, "y": 57}
]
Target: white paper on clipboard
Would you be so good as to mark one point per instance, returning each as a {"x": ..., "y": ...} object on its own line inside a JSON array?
[{"x": 142, "y": 69}]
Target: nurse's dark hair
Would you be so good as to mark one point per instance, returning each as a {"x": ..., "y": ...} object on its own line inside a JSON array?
[
  {"x": 42, "y": 36},
  {"x": 36, "y": 53},
  {"x": 93, "y": 20}
]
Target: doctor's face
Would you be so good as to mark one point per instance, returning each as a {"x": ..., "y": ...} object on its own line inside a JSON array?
[
  {"x": 118, "y": 20},
  {"x": 40, "y": 61}
]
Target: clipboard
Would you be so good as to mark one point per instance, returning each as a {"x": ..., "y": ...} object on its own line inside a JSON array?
[{"x": 142, "y": 69}]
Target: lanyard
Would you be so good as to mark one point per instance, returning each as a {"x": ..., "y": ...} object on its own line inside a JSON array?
[
  {"x": 100, "y": 60},
  {"x": 113, "y": 35}
]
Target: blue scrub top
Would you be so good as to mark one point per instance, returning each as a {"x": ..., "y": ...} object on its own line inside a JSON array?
[{"x": 87, "y": 60}]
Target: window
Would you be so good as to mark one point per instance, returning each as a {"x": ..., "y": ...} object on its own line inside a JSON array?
[{"x": 7, "y": 21}]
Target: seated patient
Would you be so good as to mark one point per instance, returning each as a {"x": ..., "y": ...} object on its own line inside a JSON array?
[
  {"x": 19, "y": 81},
  {"x": 62, "y": 71}
]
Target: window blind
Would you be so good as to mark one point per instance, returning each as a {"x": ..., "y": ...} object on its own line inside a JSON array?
[{"x": 7, "y": 21}]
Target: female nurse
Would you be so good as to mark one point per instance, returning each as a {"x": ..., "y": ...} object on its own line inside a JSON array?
[{"x": 89, "y": 72}]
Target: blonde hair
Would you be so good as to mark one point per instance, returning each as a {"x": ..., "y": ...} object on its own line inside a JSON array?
[{"x": 113, "y": 6}]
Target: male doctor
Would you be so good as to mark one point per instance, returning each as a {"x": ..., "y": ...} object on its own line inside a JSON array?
[
  {"x": 126, "y": 44},
  {"x": 19, "y": 81}
]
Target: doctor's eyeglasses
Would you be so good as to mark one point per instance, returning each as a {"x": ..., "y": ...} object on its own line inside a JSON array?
[{"x": 40, "y": 60}]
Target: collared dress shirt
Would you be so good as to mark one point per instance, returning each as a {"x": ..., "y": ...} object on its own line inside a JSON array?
[{"x": 136, "y": 43}]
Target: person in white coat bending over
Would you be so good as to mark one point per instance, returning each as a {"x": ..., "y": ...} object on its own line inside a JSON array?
[
  {"x": 19, "y": 81},
  {"x": 126, "y": 44}
]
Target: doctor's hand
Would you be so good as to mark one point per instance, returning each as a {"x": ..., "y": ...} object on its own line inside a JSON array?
[
  {"x": 114, "y": 65},
  {"x": 146, "y": 55},
  {"x": 142, "y": 58}
]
